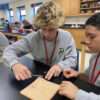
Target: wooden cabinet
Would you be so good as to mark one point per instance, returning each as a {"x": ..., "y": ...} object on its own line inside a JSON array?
[
  {"x": 89, "y": 6},
  {"x": 78, "y": 35},
  {"x": 74, "y": 7},
  {"x": 70, "y": 7},
  {"x": 79, "y": 7}
]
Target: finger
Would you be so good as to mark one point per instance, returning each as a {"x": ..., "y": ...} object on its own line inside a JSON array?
[
  {"x": 61, "y": 92},
  {"x": 27, "y": 73},
  {"x": 59, "y": 73},
  {"x": 16, "y": 74},
  {"x": 64, "y": 82},
  {"x": 67, "y": 74},
  {"x": 62, "y": 86},
  {"x": 17, "y": 77},
  {"x": 49, "y": 74},
  {"x": 56, "y": 74},
  {"x": 22, "y": 77}
]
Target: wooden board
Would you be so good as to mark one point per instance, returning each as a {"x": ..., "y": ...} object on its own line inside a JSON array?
[{"x": 40, "y": 89}]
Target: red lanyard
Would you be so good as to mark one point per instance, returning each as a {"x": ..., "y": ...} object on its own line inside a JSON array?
[
  {"x": 49, "y": 60},
  {"x": 93, "y": 76}
]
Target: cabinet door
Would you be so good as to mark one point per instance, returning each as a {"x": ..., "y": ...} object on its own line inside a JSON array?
[
  {"x": 74, "y": 7},
  {"x": 65, "y": 6},
  {"x": 78, "y": 35},
  {"x": 70, "y": 7}
]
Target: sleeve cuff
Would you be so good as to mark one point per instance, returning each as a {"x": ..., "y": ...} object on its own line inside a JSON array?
[
  {"x": 81, "y": 94},
  {"x": 63, "y": 67},
  {"x": 13, "y": 63}
]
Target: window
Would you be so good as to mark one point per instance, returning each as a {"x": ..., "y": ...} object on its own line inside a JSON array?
[
  {"x": 22, "y": 13},
  {"x": 35, "y": 7},
  {"x": 11, "y": 15}
]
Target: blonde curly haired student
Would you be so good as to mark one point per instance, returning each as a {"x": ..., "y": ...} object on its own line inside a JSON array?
[{"x": 49, "y": 44}]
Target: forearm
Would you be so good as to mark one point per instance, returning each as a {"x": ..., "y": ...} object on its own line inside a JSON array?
[
  {"x": 12, "y": 52},
  {"x": 70, "y": 57},
  {"x": 68, "y": 63},
  {"x": 83, "y": 95},
  {"x": 10, "y": 57}
]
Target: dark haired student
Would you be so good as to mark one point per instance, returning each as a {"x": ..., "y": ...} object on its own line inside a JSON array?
[{"x": 92, "y": 41}]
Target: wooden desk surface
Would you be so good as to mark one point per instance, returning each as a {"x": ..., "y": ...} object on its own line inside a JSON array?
[{"x": 14, "y": 34}]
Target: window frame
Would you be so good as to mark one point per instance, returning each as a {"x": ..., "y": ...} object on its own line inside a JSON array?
[
  {"x": 11, "y": 16},
  {"x": 21, "y": 16},
  {"x": 34, "y": 7}
]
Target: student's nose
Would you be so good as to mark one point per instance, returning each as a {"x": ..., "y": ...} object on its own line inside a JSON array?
[{"x": 85, "y": 41}]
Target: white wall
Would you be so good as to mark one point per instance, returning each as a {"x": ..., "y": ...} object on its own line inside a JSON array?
[
  {"x": 27, "y": 3},
  {"x": 29, "y": 12},
  {"x": 76, "y": 19}
]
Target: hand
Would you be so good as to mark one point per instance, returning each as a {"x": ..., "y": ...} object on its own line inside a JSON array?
[
  {"x": 21, "y": 72},
  {"x": 70, "y": 73},
  {"x": 55, "y": 70},
  {"x": 68, "y": 89}
]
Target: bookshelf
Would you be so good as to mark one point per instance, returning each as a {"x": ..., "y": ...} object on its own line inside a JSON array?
[{"x": 89, "y": 6}]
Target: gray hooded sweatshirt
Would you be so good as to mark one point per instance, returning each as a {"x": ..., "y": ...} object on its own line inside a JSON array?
[
  {"x": 83, "y": 95},
  {"x": 65, "y": 53}
]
